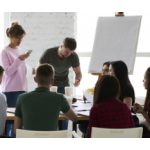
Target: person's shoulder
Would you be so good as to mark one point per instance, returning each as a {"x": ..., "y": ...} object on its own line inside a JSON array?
[
  {"x": 74, "y": 54},
  {"x": 57, "y": 95},
  {"x": 97, "y": 106},
  {"x": 25, "y": 95},
  {"x": 51, "y": 50},
  {"x": 5, "y": 49},
  {"x": 128, "y": 89},
  {"x": 2, "y": 97},
  {"x": 122, "y": 105}
]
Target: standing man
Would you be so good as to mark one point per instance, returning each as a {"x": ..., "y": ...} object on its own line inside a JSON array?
[{"x": 62, "y": 58}]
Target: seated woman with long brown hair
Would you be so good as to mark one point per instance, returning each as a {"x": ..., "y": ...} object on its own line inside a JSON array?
[{"x": 108, "y": 111}]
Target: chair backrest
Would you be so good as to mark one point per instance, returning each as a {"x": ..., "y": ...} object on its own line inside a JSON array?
[
  {"x": 116, "y": 133},
  {"x": 75, "y": 135},
  {"x": 40, "y": 134}
]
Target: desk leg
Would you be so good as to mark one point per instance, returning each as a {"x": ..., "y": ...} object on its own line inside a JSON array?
[{"x": 60, "y": 124}]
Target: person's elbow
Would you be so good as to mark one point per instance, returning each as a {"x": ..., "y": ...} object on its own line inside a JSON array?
[{"x": 71, "y": 115}]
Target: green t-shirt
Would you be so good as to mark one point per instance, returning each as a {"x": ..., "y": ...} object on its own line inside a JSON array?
[
  {"x": 61, "y": 66},
  {"x": 40, "y": 109}
]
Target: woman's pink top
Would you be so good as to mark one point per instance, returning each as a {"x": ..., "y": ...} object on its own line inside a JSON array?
[{"x": 14, "y": 78}]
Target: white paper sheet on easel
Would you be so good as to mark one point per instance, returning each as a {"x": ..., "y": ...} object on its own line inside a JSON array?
[{"x": 116, "y": 38}]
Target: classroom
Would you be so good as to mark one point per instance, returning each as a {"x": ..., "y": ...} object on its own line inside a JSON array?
[{"x": 36, "y": 36}]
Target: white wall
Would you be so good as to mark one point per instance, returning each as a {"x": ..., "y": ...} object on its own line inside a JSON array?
[{"x": 45, "y": 30}]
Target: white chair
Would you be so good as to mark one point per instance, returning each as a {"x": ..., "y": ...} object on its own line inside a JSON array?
[
  {"x": 114, "y": 133},
  {"x": 75, "y": 135},
  {"x": 40, "y": 134}
]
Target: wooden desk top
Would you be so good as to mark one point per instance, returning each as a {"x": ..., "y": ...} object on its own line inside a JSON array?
[{"x": 11, "y": 116}]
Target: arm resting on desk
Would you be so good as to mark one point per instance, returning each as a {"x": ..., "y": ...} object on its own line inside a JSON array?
[
  {"x": 71, "y": 115},
  {"x": 17, "y": 124}
]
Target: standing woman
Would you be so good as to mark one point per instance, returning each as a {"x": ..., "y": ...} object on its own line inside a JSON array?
[
  {"x": 146, "y": 110},
  {"x": 12, "y": 59}
]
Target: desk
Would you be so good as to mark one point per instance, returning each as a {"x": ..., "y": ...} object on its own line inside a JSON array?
[{"x": 11, "y": 116}]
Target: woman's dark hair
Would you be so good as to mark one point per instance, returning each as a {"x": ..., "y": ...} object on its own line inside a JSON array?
[
  {"x": 107, "y": 86},
  {"x": 121, "y": 72},
  {"x": 15, "y": 30},
  {"x": 148, "y": 88},
  {"x": 107, "y": 63}
]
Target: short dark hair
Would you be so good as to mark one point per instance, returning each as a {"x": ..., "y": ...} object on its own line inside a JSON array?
[
  {"x": 15, "y": 30},
  {"x": 1, "y": 70},
  {"x": 106, "y": 87},
  {"x": 70, "y": 43},
  {"x": 44, "y": 74},
  {"x": 107, "y": 63}
]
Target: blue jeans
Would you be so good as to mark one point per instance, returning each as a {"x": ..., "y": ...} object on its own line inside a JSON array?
[
  {"x": 64, "y": 122},
  {"x": 11, "y": 102}
]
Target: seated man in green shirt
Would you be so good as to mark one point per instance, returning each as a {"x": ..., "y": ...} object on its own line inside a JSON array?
[{"x": 39, "y": 109}]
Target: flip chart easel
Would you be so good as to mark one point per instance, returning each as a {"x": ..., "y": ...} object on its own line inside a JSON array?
[{"x": 117, "y": 14}]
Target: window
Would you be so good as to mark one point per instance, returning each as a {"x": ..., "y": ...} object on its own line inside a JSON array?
[{"x": 86, "y": 26}]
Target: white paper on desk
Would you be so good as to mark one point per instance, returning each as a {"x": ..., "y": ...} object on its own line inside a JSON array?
[
  {"x": 84, "y": 113},
  {"x": 11, "y": 110},
  {"x": 86, "y": 106},
  {"x": 89, "y": 97}
]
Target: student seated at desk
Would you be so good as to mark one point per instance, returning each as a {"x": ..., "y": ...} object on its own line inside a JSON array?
[
  {"x": 3, "y": 106},
  {"x": 39, "y": 110},
  {"x": 108, "y": 111},
  {"x": 146, "y": 110},
  {"x": 119, "y": 69},
  {"x": 105, "y": 71},
  {"x": 84, "y": 125}
]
